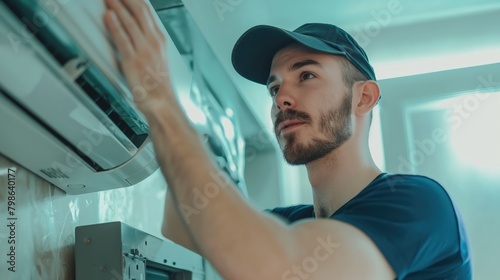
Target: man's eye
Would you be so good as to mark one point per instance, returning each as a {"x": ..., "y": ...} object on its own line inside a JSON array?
[
  {"x": 274, "y": 90},
  {"x": 306, "y": 76}
]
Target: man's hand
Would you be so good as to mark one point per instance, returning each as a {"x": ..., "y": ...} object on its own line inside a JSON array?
[{"x": 142, "y": 47}]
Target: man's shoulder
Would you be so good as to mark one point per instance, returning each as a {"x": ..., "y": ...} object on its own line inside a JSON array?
[
  {"x": 395, "y": 180},
  {"x": 391, "y": 186},
  {"x": 404, "y": 191}
]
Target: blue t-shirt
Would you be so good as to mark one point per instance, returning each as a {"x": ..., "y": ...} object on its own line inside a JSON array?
[{"x": 413, "y": 222}]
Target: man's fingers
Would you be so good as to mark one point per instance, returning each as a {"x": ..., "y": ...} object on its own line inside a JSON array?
[
  {"x": 120, "y": 37},
  {"x": 127, "y": 22},
  {"x": 154, "y": 22},
  {"x": 141, "y": 12}
]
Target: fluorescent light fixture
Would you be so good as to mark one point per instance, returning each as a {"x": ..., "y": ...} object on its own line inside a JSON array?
[{"x": 474, "y": 135}]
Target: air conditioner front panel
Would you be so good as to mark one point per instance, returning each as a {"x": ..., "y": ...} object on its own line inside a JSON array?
[
  {"x": 53, "y": 161},
  {"x": 50, "y": 102},
  {"x": 33, "y": 147}
]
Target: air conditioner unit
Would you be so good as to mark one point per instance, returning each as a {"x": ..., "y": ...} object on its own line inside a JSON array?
[
  {"x": 65, "y": 112},
  {"x": 115, "y": 250}
]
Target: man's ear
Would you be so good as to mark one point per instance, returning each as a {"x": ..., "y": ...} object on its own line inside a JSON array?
[{"x": 367, "y": 96}]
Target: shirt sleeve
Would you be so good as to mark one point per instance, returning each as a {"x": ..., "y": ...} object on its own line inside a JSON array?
[
  {"x": 293, "y": 213},
  {"x": 410, "y": 218}
]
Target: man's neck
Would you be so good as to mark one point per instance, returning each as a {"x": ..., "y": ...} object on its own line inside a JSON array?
[{"x": 339, "y": 176}]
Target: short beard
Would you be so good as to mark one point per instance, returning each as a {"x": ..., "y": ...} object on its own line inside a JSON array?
[{"x": 335, "y": 124}]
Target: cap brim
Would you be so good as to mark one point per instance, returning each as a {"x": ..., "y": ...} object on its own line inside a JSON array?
[{"x": 254, "y": 51}]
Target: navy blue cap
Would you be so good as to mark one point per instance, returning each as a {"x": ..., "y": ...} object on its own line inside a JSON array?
[{"x": 254, "y": 51}]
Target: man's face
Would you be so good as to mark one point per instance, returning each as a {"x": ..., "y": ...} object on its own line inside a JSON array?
[{"x": 312, "y": 107}]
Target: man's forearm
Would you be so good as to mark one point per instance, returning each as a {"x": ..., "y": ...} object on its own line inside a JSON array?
[{"x": 174, "y": 227}]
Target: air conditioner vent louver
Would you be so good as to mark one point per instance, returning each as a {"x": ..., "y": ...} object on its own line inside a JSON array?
[{"x": 111, "y": 103}]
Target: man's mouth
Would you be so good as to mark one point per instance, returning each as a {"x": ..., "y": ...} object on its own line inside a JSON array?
[{"x": 289, "y": 125}]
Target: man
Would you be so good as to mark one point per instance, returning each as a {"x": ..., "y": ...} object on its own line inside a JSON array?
[{"x": 364, "y": 224}]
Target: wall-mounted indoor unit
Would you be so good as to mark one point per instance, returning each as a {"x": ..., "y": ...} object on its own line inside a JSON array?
[{"x": 65, "y": 111}]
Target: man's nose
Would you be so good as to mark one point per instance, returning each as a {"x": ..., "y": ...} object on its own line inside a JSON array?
[{"x": 284, "y": 99}]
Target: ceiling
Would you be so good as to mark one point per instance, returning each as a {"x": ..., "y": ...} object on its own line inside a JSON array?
[{"x": 401, "y": 37}]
